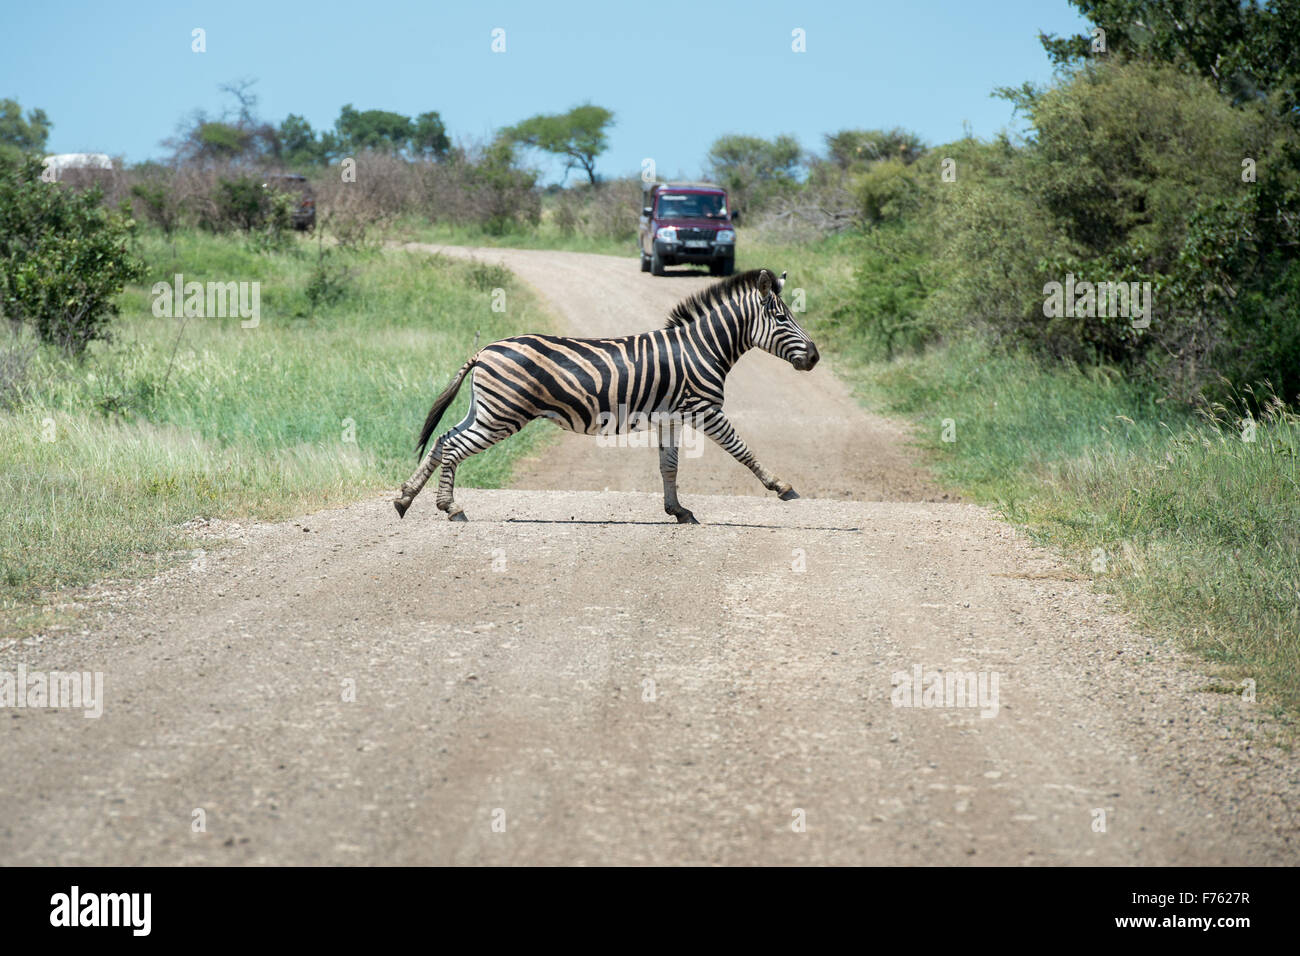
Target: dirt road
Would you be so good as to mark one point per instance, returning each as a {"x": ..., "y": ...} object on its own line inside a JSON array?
[{"x": 570, "y": 677}]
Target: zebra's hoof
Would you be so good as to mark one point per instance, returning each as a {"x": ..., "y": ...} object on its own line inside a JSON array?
[
  {"x": 401, "y": 504},
  {"x": 457, "y": 516},
  {"x": 789, "y": 494},
  {"x": 685, "y": 517}
]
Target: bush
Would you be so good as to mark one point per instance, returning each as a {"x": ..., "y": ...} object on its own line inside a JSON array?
[
  {"x": 1163, "y": 200},
  {"x": 63, "y": 257},
  {"x": 245, "y": 203},
  {"x": 610, "y": 210},
  {"x": 886, "y": 190},
  {"x": 159, "y": 203},
  {"x": 1131, "y": 172},
  {"x": 503, "y": 196},
  {"x": 328, "y": 282},
  {"x": 486, "y": 276},
  {"x": 884, "y": 312}
]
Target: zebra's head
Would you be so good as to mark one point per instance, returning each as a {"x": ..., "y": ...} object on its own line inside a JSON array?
[{"x": 774, "y": 329}]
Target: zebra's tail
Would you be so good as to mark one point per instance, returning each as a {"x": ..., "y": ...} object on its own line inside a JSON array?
[{"x": 440, "y": 405}]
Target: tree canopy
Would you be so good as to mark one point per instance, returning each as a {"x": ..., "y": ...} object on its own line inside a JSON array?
[
  {"x": 1248, "y": 49},
  {"x": 238, "y": 135},
  {"x": 754, "y": 170},
  {"x": 851, "y": 149},
  {"x": 578, "y": 136},
  {"x": 22, "y": 135}
]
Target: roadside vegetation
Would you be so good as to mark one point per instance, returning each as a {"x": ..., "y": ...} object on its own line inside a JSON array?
[
  {"x": 105, "y": 457},
  {"x": 1155, "y": 447},
  {"x": 581, "y": 218},
  {"x": 1195, "y": 528}
]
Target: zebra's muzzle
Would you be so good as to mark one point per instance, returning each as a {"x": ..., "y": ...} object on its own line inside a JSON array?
[{"x": 804, "y": 361}]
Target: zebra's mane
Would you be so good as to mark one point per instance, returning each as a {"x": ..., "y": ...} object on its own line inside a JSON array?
[{"x": 702, "y": 302}]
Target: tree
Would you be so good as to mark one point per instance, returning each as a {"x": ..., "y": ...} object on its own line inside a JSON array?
[
  {"x": 430, "y": 136},
  {"x": 238, "y": 135},
  {"x": 1247, "y": 49},
  {"x": 380, "y": 130},
  {"x": 754, "y": 170},
  {"x": 504, "y": 193},
  {"x": 298, "y": 141},
  {"x": 578, "y": 136},
  {"x": 18, "y": 135},
  {"x": 63, "y": 257},
  {"x": 242, "y": 92},
  {"x": 1235, "y": 262},
  {"x": 855, "y": 149},
  {"x": 221, "y": 141},
  {"x": 386, "y": 132}
]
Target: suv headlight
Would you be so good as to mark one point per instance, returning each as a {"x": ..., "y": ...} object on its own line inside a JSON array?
[
  {"x": 726, "y": 235},
  {"x": 666, "y": 233}
]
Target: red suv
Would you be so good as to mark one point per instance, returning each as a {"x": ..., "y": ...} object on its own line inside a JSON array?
[{"x": 687, "y": 223}]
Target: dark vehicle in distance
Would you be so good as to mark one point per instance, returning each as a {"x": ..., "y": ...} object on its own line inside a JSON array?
[
  {"x": 304, "y": 214},
  {"x": 687, "y": 223}
]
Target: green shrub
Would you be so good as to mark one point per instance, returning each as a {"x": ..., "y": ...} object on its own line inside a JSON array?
[
  {"x": 886, "y": 190},
  {"x": 503, "y": 194},
  {"x": 244, "y": 203},
  {"x": 884, "y": 311},
  {"x": 328, "y": 282},
  {"x": 158, "y": 200},
  {"x": 1138, "y": 167},
  {"x": 1131, "y": 172},
  {"x": 63, "y": 257}
]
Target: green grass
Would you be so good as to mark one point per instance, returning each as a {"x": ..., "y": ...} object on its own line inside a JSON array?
[
  {"x": 175, "y": 420},
  {"x": 1196, "y": 529},
  {"x": 823, "y": 269}
]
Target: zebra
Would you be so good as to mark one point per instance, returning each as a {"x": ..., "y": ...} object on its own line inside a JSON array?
[{"x": 672, "y": 376}]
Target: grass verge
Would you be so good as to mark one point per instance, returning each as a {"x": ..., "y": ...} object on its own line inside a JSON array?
[
  {"x": 545, "y": 236},
  {"x": 101, "y": 461}
]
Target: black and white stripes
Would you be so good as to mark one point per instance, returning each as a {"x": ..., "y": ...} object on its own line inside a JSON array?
[{"x": 668, "y": 377}]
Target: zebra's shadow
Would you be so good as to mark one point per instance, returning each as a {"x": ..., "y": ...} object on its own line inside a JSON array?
[{"x": 673, "y": 524}]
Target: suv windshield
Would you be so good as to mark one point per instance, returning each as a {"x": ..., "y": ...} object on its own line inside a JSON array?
[{"x": 692, "y": 206}]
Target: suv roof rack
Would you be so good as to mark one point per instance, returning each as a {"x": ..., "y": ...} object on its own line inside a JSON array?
[{"x": 690, "y": 185}]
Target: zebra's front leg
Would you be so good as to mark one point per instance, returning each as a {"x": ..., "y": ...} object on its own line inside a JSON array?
[
  {"x": 715, "y": 424},
  {"x": 668, "y": 441}
]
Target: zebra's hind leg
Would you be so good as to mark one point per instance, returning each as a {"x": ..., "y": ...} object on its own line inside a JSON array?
[
  {"x": 417, "y": 481},
  {"x": 668, "y": 434},
  {"x": 459, "y": 446},
  {"x": 446, "y": 484}
]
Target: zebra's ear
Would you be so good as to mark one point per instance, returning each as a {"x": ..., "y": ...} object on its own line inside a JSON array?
[
  {"x": 780, "y": 283},
  {"x": 764, "y": 283}
]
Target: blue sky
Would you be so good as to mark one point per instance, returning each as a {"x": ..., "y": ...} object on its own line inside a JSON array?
[{"x": 117, "y": 78}]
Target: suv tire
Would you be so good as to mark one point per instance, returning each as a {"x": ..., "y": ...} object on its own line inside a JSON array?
[
  {"x": 657, "y": 264},
  {"x": 645, "y": 262}
]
